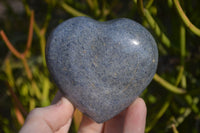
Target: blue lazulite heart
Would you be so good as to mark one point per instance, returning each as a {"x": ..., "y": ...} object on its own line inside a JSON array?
[{"x": 101, "y": 67}]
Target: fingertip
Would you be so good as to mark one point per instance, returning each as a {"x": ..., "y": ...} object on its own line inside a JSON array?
[
  {"x": 65, "y": 102},
  {"x": 59, "y": 114},
  {"x": 50, "y": 118},
  {"x": 139, "y": 102},
  {"x": 136, "y": 117}
]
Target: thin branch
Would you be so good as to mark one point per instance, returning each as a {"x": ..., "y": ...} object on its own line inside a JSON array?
[
  {"x": 182, "y": 117},
  {"x": 19, "y": 116},
  {"x": 183, "y": 53},
  {"x": 16, "y": 100},
  {"x": 91, "y": 4},
  {"x": 30, "y": 35},
  {"x": 28, "y": 71},
  {"x": 182, "y": 43},
  {"x": 71, "y": 10},
  {"x": 153, "y": 24},
  {"x": 164, "y": 39},
  {"x": 174, "y": 129},
  {"x": 180, "y": 75},
  {"x": 185, "y": 19},
  {"x": 167, "y": 85},
  {"x": 140, "y": 7},
  {"x": 29, "y": 41},
  {"x": 39, "y": 32},
  {"x": 148, "y": 5},
  {"x": 10, "y": 46},
  {"x": 17, "y": 54}
]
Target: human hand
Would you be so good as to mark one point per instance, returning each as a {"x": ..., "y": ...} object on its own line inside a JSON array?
[{"x": 57, "y": 118}]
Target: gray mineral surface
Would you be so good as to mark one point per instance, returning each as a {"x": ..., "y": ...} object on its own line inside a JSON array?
[{"x": 101, "y": 67}]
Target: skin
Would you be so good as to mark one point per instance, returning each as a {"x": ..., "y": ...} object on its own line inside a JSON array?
[{"x": 57, "y": 118}]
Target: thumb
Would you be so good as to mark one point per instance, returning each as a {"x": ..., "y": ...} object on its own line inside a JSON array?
[{"x": 49, "y": 119}]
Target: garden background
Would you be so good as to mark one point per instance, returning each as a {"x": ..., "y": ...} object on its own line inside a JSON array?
[{"x": 173, "y": 96}]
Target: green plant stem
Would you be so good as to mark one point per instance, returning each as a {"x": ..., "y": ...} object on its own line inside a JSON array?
[
  {"x": 182, "y": 43},
  {"x": 16, "y": 100},
  {"x": 47, "y": 18},
  {"x": 192, "y": 103},
  {"x": 42, "y": 47},
  {"x": 185, "y": 19},
  {"x": 189, "y": 99},
  {"x": 40, "y": 32},
  {"x": 104, "y": 11},
  {"x": 10, "y": 82},
  {"x": 45, "y": 93},
  {"x": 36, "y": 90},
  {"x": 182, "y": 54},
  {"x": 94, "y": 6},
  {"x": 187, "y": 111},
  {"x": 153, "y": 24},
  {"x": 27, "y": 69},
  {"x": 180, "y": 75},
  {"x": 71, "y": 10},
  {"x": 91, "y": 4},
  {"x": 150, "y": 2},
  {"x": 167, "y": 85},
  {"x": 30, "y": 77},
  {"x": 159, "y": 114},
  {"x": 41, "y": 35},
  {"x": 140, "y": 7},
  {"x": 180, "y": 119},
  {"x": 8, "y": 70},
  {"x": 174, "y": 129},
  {"x": 164, "y": 39}
]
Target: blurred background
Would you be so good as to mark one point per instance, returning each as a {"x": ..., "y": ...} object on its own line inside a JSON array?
[{"x": 172, "y": 98}]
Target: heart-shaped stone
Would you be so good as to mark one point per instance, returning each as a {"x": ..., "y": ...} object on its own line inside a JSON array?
[{"x": 101, "y": 67}]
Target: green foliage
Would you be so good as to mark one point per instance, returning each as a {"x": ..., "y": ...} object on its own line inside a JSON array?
[{"x": 172, "y": 98}]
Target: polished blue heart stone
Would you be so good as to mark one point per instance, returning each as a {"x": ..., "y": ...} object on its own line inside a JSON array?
[{"x": 101, "y": 67}]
